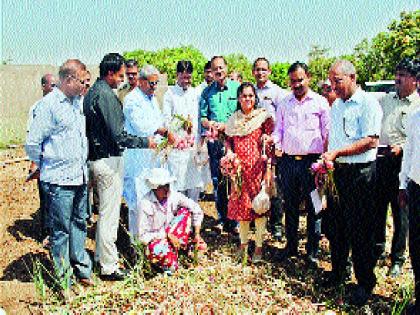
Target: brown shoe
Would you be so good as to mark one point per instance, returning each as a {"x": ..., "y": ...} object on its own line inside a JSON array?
[{"x": 86, "y": 282}]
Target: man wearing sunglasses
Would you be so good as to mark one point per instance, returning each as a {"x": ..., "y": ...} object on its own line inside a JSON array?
[
  {"x": 48, "y": 83},
  {"x": 144, "y": 118},
  {"x": 355, "y": 129}
]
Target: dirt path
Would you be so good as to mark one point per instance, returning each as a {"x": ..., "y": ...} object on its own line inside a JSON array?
[{"x": 19, "y": 235}]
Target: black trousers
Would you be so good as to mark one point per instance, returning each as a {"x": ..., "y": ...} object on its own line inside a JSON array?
[
  {"x": 297, "y": 184},
  {"x": 353, "y": 218},
  {"x": 276, "y": 208},
  {"x": 413, "y": 191},
  {"x": 216, "y": 152},
  {"x": 387, "y": 170}
]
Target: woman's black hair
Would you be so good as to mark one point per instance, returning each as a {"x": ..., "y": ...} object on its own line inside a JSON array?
[{"x": 240, "y": 90}]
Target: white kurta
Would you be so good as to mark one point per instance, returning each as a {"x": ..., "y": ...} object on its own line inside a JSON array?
[
  {"x": 183, "y": 163},
  {"x": 142, "y": 118}
]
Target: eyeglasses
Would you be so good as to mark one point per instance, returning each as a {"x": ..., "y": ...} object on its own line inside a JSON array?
[
  {"x": 82, "y": 82},
  {"x": 153, "y": 83},
  {"x": 53, "y": 85}
]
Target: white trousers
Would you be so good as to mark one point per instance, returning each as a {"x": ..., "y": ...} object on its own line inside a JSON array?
[
  {"x": 259, "y": 231},
  {"x": 108, "y": 174}
]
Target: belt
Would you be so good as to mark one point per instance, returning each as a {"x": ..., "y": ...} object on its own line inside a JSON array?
[
  {"x": 303, "y": 157},
  {"x": 353, "y": 165}
]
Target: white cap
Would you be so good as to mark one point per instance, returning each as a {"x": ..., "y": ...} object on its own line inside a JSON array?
[{"x": 158, "y": 177}]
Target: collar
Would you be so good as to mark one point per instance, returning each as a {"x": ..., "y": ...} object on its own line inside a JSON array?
[
  {"x": 415, "y": 96},
  {"x": 267, "y": 85},
  {"x": 216, "y": 85},
  {"x": 62, "y": 98},
  {"x": 180, "y": 90},
  {"x": 144, "y": 95},
  {"x": 309, "y": 96},
  {"x": 357, "y": 96}
]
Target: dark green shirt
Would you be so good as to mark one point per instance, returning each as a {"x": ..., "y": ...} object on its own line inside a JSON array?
[{"x": 218, "y": 104}]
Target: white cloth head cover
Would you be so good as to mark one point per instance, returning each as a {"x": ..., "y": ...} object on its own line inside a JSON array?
[{"x": 158, "y": 177}]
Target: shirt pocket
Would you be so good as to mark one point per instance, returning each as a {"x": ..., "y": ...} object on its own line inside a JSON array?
[
  {"x": 312, "y": 121},
  {"x": 351, "y": 125}
]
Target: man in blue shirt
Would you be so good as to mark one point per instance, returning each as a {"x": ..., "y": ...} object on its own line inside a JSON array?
[
  {"x": 218, "y": 102},
  {"x": 354, "y": 136},
  {"x": 57, "y": 143}
]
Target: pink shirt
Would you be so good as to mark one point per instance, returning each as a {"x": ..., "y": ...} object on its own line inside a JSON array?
[{"x": 302, "y": 126}]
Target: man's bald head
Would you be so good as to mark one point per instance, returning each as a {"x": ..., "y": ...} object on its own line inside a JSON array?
[{"x": 48, "y": 82}]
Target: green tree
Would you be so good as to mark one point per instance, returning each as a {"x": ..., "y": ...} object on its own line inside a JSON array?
[
  {"x": 319, "y": 64},
  {"x": 165, "y": 61},
  {"x": 376, "y": 59},
  {"x": 279, "y": 74}
]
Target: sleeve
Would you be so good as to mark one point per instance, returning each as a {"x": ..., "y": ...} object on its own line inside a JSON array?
[
  {"x": 139, "y": 118},
  {"x": 325, "y": 119},
  {"x": 204, "y": 105},
  {"x": 279, "y": 126},
  {"x": 40, "y": 129},
  {"x": 371, "y": 119},
  {"x": 195, "y": 209},
  {"x": 407, "y": 156},
  {"x": 167, "y": 108},
  {"x": 145, "y": 223},
  {"x": 114, "y": 120},
  {"x": 267, "y": 128}
]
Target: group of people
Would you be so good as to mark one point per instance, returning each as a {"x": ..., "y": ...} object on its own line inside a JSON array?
[{"x": 117, "y": 131}]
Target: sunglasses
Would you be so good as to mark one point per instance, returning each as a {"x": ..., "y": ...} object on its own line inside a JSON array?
[{"x": 153, "y": 83}]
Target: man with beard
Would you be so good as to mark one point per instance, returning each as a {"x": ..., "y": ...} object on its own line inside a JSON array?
[
  {"x": 355, "y": 129},
  {"x": 218, "y": 102},
  {"x": 300, "y": 135},
  {"x": 269, "y": 97}
]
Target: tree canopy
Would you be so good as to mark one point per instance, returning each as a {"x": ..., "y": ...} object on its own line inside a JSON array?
[{"x": 374, "y": 59}]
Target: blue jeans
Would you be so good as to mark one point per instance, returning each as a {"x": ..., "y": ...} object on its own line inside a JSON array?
[
  {"x": 46, "y": 220},
  {"x": 68, "y": 211}
]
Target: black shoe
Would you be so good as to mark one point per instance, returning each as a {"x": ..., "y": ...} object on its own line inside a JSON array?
[
  {"x": 395, "y": 270},
  {"x": 311, "y": 260},
  {"x": 276, "y": 235},
  {"x": 360, "y": 296},
  {"x": 331, "y": 279},
  {"x": 117, "y": 275}
]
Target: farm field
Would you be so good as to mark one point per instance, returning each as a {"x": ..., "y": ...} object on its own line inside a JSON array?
[{"x": 219, "y": 285}]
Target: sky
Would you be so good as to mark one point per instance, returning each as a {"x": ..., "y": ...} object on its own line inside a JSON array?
[{"x": 51, "y": 31}]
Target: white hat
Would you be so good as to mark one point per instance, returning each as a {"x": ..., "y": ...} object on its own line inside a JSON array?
[{"x": 158, "y": 177}]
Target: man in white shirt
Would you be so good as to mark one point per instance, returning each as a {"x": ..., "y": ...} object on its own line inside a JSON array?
[
  {"x": 409, "y": 194},
  {"x": 182, "y": 99},
  {"x": 396, "y": 109}
]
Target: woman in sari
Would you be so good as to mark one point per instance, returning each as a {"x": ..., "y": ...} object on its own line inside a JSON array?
[{"x": 248, "y": 134}]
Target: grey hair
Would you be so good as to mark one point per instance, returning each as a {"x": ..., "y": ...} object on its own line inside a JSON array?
[
  {"x": 343, "y": 66},
  {"x": 147, "y": 71}
]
